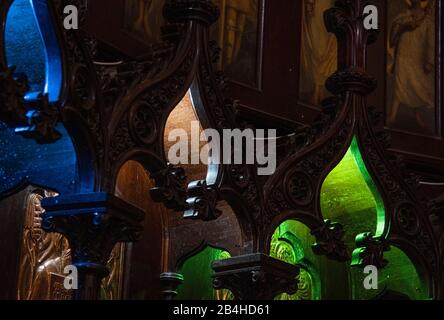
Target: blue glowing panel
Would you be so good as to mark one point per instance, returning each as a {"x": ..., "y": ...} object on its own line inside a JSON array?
[
  {"x": 23, "y": 44},
  {"x": 31, "y": 46},
  {"x": 23, "y": 160}
]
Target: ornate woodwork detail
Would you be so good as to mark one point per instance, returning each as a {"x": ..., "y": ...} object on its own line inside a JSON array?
[
  {"x": 114, "y": 111},
  {"x": 142, "y": 124},
  {"x": 239, "y": 175},
  {"x": 117, "y": 111},
  {"x": 236, "y": 183},
  {"x": 202, "y": 201},
  {"x": 315, "y": 151},
  {"x": 255, "y": 277},
  {"x": 203, "y": 11},
  {"x": 170, "y": 187},
  {"x": 83, "y": 224},
  {"x": 170, "y": 282},
  {"x": 93, "y": 224},
  {"x": 351, "y": 80},
  {"x": 370, "y": 251},
  {"x": 299, "y": 189},
  {"x": 329, "y": 241},
  {"x": 34, "y": 119},
  {"x": 42, "y": 120},
  {"x": 406, "y": 218}
]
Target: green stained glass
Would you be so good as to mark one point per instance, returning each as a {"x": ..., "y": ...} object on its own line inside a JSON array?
[
  {"x": 198, "y": 281},
  {"x": 291, "y": 242},
  {"x": 349, "y": 196},
  {"x": 298, "y": 236},
  {"x": 399, "y": 276}
]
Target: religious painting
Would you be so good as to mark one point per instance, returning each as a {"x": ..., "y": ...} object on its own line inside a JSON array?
[
  {"x": 411, "y": 66},
  {"x": 144, "y": 19},
  {"x": 318, "y": 52},
  {"x": 237, "y": 35}
]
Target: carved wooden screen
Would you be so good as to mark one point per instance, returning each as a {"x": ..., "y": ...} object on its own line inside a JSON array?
[{"x": 117, "y": 111}]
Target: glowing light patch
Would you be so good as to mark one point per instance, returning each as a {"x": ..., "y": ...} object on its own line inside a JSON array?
[{"x": 31, "y": 46}]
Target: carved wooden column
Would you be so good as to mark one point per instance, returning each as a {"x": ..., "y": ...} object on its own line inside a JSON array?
[
  {"x": 255, "y": 277},
  {"x": 93, "y": 223},
  {"x": 170, "y": 281}
]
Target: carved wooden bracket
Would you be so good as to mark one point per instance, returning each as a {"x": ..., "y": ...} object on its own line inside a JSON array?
[
  {"x": 255, "y": 277},
  {"x": 370, "y": 251},
  {"x": 329, "y": 241},
  {"x": 202, "y": 202},
  {"x": 93, "y": 224},
  {"x": 169, "y": 188}
]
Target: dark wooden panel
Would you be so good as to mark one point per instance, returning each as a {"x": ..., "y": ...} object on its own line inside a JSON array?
[
  {"x": 11, "y": 230},
  {"x": 110, "y": 24}
]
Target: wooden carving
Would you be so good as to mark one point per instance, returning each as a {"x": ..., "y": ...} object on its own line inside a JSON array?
[
  {"x": 116, "y": 111},
  {"x": 43, "y": 257}
]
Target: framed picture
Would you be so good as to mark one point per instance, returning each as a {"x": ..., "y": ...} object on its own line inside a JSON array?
[
  {"x": 318, "y": 52},
  {"x": 237, "y": 33},
  {"x": 144, "y": 19},
  {"x": 411, "y": 67},
  {"x": 263, "y": 61},
  {"x": 410, "y": 92}
]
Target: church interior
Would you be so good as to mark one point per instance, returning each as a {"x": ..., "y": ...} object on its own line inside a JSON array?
[{"x": 354, "y": 209}]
